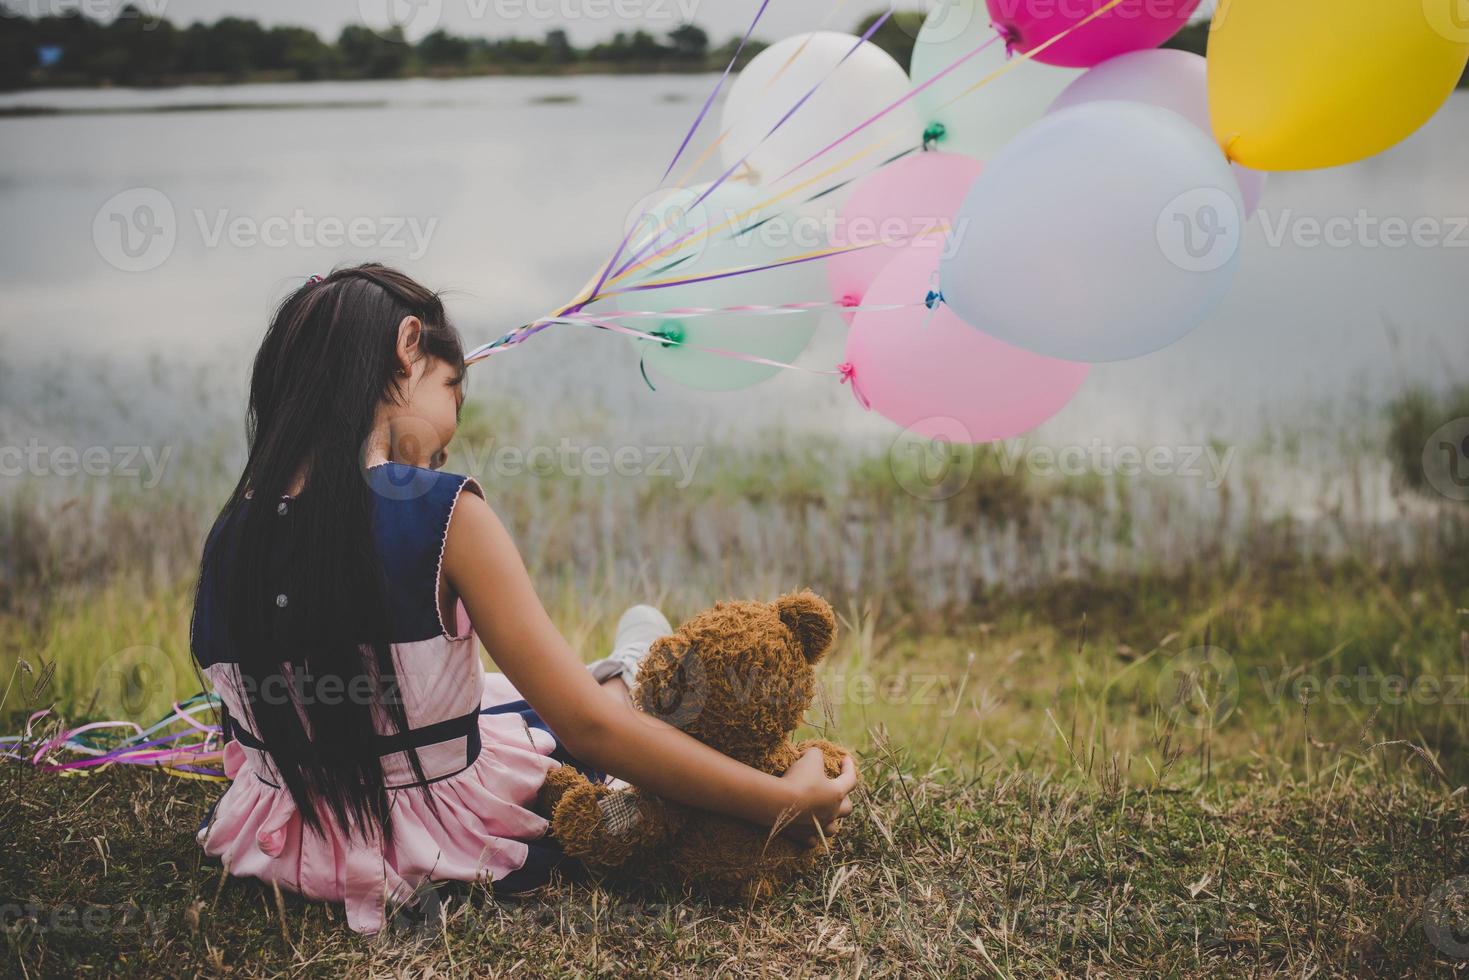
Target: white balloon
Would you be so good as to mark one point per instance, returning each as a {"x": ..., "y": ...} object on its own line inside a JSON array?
[
  {"x": 1103, "y": 232},
  {"x": 979, "y": 123},
  {"x": 861, "y": 86}
]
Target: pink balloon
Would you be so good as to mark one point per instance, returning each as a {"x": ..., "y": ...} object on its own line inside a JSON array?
[
  {"x": 901, "y": 200},
  {"x": 932, "y": 373},
  {"x": 1130, "y": 26},
  {"x": 1176, "y": 80}
]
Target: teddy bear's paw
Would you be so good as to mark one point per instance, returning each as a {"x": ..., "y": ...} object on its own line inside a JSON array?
[
  {"x": 831, "y": 755},
  {"x": 608, "y": 829},
  {"x": 558, "y": 782},
  {"x": 621, "y": 814}
]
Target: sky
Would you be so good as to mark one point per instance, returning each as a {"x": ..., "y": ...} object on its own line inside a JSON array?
[{"x": 584, "y": 20}]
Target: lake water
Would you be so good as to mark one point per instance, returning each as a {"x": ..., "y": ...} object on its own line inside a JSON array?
[{"x": 519, "y": 187}]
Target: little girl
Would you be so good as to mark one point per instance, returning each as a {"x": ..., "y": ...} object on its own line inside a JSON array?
[{"x": 343, "y": 593}]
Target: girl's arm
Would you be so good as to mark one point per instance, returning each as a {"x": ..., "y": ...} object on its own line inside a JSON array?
[{"x": 484, "y": 569}]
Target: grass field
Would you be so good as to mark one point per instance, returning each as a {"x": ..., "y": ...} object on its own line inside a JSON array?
[{"x": 1134, "y": 739}]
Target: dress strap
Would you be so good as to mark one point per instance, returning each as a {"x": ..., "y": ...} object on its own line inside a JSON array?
[{"x": 465, "y": 726}]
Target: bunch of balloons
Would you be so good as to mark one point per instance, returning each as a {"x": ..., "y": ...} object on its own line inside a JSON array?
[{"x": 1046, "y": 189}]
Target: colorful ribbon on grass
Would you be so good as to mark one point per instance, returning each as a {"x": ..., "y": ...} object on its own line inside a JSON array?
[{"x": 184, "y": 753}]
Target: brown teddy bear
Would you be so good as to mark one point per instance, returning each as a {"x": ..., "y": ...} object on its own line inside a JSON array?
[{"x": 738, "y": 677}]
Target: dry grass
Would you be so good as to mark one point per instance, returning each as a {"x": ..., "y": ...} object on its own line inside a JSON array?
[
  {"x": 1001, "y": 873},
  {"x": 1038, "y": 801}
]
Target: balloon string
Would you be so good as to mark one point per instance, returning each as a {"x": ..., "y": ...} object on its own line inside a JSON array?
[
  {"x": 708, "y": 151},
  {"x": 912, "y": 93},
  {"x": 1025, "y": 56},
  {"x": 774, "y": 215},
  {"x": 627, "y": 238},
  {"x": 523, "y": 333},
  {"x": 718, "y": 181},
  {"x": 845, "y": 372},
  {"x": 705, "y": 231},
  {"x": 664, "y": 340},
  {"x": 686, "y": 312},
  {"x": 704, "y": 111},
  {"x": 821, "y": 253},
  {"x": 986, "y": 80}
]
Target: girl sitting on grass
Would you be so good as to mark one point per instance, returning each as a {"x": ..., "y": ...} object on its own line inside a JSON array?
[{"x": 343, "y": 593}]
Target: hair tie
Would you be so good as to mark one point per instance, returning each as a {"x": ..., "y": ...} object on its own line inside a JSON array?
[{"x": 314, "y": 280}]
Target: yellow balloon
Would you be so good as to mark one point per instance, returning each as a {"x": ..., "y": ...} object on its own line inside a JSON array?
[{"x": 1301, "y": 84}]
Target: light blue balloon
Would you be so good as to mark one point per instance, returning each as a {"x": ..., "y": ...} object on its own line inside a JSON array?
[
  {"x": 745, "y": 242},
  {"x": 1102, "y": 232}
]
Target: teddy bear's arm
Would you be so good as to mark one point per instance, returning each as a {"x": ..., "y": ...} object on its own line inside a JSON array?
[{"x": 608, "y": 828}]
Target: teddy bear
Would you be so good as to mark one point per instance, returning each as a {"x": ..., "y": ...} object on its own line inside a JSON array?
[{"x": 738, "y": 677}]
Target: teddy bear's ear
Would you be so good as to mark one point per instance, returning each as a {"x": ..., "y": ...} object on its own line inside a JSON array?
[{"x": 810, "y": 620}]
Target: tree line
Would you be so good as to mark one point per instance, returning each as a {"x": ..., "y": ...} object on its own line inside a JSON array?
[{"x": 138, "y": 49}]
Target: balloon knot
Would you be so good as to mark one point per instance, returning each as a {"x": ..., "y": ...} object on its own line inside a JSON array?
[
  {"x": 933, "y": 133},
  {"x": 848, "y": 372},
  {"x": 1229, "y": 147},
  {"x": 1010, "y": 35},
  {"x": 670, "y": 334},
  {"x": 850, "y": 300},
  {"x": 934, "y": 298}
]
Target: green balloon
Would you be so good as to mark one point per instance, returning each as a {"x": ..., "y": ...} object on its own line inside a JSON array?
[
  {"x": 743, "y": 242},
  {"x": 979, "y": 123}
]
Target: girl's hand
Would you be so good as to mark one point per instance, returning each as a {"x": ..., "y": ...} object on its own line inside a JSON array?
[{"x": 820, "y": 801}]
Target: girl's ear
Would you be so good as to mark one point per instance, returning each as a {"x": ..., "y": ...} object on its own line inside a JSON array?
[
  {"x": 810, "y": 620},
  {"x": 410, "y": 336}
]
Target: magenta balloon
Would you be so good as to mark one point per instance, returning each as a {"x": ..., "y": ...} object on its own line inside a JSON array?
[
  {"x": 932, "y": 373},
  {"x": 906, "y": 200},
  {"x": 1130, "y": 26},
  {"x": 1169, "y": 79}
]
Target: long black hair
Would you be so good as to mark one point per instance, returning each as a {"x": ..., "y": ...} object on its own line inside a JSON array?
[{"x": 328, "y": 361}]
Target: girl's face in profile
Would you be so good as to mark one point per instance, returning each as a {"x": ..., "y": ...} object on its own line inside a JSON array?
[{"x": 423, "y": 422}]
